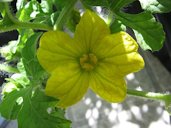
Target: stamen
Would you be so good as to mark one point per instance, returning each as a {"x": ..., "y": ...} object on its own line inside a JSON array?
[{"x": 88, "y": 61}]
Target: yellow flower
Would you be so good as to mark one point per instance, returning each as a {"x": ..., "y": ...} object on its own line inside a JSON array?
[{"x": 94, "y": 58}]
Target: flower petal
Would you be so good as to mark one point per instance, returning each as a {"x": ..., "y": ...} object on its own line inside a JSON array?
[
  {"x": 120, "y": 49},
  {"x": 90, "y": 30},
  {"x": 107, "y": 84},
  {"x": 128, "y": 63},
  {"x": 68, "y": 84},
  {"x": 56, "y": 48}
]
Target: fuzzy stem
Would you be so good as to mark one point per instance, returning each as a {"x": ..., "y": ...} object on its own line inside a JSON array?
[
  {"x": 150, "y": 95},
  {"x": 25, "y": 25},
  {"x": 64, "y": 15},
  {"x": 16, "y": 24},
  {"x": 8, "y": 12}
]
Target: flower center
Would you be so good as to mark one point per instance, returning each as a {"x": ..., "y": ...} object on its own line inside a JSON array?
[{"x": 88, "y": 61}]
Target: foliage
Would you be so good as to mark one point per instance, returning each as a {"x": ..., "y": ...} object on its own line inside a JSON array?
[{"x": 24, "y": 90}]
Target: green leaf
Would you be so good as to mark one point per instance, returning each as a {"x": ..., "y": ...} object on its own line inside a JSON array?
[
  {"x": 117, "y": 26},
  {"x": 116, "y": 5},
  {"x": 113, "y": 4},
  {"x": 5, "y": 21},
  {"x": 105, "y": 3},
  {"x": 148, "y": 31},
  {"x": 156, "y": 6},
  {"x": 33, "y": 109},
  {"x": 20, "y": 4},
  {"x": 38, "y": 113},
  {"x": 60, "y": 3},
  {"x": 48, "y": 5},
  {"x": 1, "y": 7},
  {"x": 9, "y": 107},
  {"x": 33, "y": 69},
  {"x": 29, "y": 11},
  {"x": 74, "y": 20},
  {"x": 6, "y": 0},
  {"x": 8, "y": 51}
]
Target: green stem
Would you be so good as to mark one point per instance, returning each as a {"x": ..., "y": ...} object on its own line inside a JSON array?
[
  {"x": 64, "y": 15},
  {"x": 8, "y": 68},
  {"x": 27, "y": 25},
  {"x": 150, "y": 95},
  {"x": 16, "y": 24},
  {"x": 8, "y": 12}
]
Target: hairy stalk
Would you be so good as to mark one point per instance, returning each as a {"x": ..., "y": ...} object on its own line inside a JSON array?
[
  {"x": 150, "y": 95},
  {"x": 16, "y": 24},
  {"x": 64, "y": 15}
]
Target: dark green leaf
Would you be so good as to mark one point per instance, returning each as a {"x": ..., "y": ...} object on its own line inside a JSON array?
[
  {"x": 105, "y": 3},
  {"x": 148, "y": 32},
  {"x": 116, "y": 5},
  {"x": 117, "y": 26},
  {"x": 156, "y": 6},
  {"x": 113, "y": 4},
  {"x": 38, "y": 113},
  {"x": 1, "y": 7},
  {"x": 60, "y": 4},
  {"x": 33, "y": 69},
  {"x": 74, "y": 20}
]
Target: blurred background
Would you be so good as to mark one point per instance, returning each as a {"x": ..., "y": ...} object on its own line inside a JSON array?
[{"x": 93, "y": 112}]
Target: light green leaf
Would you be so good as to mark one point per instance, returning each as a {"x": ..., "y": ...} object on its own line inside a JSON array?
[
  {"x": 148, "y": 31},
  {"x": 156, "y": 6},
  {"x": 33, "y": 69},
  {"x": 29, "y": 11},
  {"x": 9, "y": 107},
  {"x": 47, "y": 6},
  {"x": 20, "y": 4},
  {"x": 9, "y": 50}
]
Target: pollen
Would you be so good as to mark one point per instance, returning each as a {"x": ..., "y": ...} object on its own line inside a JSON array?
[{"x": 88, "y": 61}]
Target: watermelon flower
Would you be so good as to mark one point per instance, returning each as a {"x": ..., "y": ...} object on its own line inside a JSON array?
[{"x": 94, "y": 58}]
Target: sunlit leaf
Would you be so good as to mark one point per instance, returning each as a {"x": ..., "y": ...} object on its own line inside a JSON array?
[
  {"x": 146, "y": 28},
  {"x": 156, "y": 6},
  {"x": 144, "y": 25}
]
